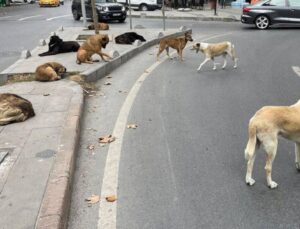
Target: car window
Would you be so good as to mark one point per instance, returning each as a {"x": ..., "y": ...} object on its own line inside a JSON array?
[
  {"x": 276, "y": 3},
  {"x": 295, "y": 3}
]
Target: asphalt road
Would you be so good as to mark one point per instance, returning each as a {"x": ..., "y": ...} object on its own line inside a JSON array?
[{"x": 184, "y": 167}]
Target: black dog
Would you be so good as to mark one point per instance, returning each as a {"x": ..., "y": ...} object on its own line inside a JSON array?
[
  {"x": 128, "y": 38},
  {"x": 57, "y": 45}
]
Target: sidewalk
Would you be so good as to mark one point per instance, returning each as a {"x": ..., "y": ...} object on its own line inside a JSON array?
[{"x": 227, "y": 14}]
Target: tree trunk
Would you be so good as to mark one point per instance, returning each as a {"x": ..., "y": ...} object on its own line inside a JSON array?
[{"x": 95, "y": 16}]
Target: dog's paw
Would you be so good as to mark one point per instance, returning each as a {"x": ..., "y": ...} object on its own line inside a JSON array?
[
  {"x": 250, "y": 181},
  {"x": 272, "y": 185}
]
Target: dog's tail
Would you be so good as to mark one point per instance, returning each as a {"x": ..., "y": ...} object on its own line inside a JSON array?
[{"x": 251, "y": 145}]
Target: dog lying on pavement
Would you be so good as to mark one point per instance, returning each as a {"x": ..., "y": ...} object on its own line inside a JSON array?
[
  {"x": 57, "y": 45},
  {"x": 101, "y": 26},
  {"x": 50, "y": 71},
  {"x": 14, "y": 108},
  {"x": 264, "y": 128},
  {"x": 213, "y": 50},
  {"x": 128, "y": 38},
  {"x": 93, "y": 45},
  {"x": 177, "y": 43}
]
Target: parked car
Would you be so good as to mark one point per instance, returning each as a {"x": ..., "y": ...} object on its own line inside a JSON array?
[
  {"x": 143, "y": 5},
  {"x": 270, "y": 12},
  {"x": 107, "y": 10},
  {"x": 49, "y": 3},
  {"x": 22, "y": 1}
]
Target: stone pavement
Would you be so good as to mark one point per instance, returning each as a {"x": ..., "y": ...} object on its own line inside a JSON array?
[{"x": 40, "y": 157}]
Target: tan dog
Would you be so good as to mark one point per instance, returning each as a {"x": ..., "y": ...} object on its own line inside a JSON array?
[
  {"x": 49, "y": 72},
  {"x": 264, "y": 128},
  {"x": 101, "y": 26},
  {"x": 91, "y": 46},
  {"x": 177, "y": 43},
  {"x": 14, "y": 108},
  {"x": 213, "y": 50}
]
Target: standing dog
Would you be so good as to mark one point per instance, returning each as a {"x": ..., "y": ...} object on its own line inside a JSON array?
[
  {"x": 264, "y": 128},
  {"x": 91, "y": 46},
  {"x": 57, "y": 45},
  {"x": 49, "y": 72},
  {"x": 14, "y": 108},
  {"x": 177, "y": 43},
  {"x": 213, "y": 50}
]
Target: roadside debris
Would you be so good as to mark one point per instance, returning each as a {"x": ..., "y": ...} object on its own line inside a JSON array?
[
  {"x": 93, "y": 199},
  {"x": 132, "y": 126},
  {"x": 107, "y": 139},
  {"x": 111, "y": 198}
]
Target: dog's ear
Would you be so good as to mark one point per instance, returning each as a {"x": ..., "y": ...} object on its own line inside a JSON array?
[{"x": 198, "y": 45}]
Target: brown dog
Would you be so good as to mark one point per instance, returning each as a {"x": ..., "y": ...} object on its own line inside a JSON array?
[
  {"x": 101, "y": 26},
  {"x": 264, "y": 128},
  {"x": 91, "y": 46},
  {"x": 49, "y": 71},
  {"x": 14, "y": 108},
  {"x": 177, "y": 43}
]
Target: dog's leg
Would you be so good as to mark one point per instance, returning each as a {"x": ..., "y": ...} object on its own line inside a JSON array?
[
  {"x": 167, "y": 50},
  {"x": 200, "y": 66},
  {"x": 215, "y": 66},
  {"x": 160, "y": 50},
  {"x": 225, "y": 61},
  {"x": 297, "y": 155},
  {"x": 232, "y": 54},
  {"x": 250, "y": 154},
  {"x": 180, "y": 54},
  {"x": 270, "y": 146},
  {"x": 102, "y": 54}
]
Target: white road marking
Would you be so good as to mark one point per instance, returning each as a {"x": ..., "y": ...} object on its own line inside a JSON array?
[
  {"x": 5, "y": 17},
  {"x": 296, "y": 70},
  {"x": 25, "y": 18},
  {"x": 53, "y": 18},
  {"x": 108, "y": 210}
]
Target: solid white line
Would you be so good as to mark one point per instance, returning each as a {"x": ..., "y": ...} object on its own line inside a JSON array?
[
  {"x": 53, "y": 18},
  {"x": 5, "y": 17},
  {"x": 108, "y": 210},
  {"x": 25, "y": 18},
  {"x": 296, "y": 70}
]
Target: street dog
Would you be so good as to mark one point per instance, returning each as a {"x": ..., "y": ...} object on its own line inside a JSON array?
[
  {"x": 101, "y": 26},
  {"x": 14, "y": 108},
  {"x": 177, "y": 43},
  {"x": 213, "y": 50},
  {"x": 50, "y": 71},
  {"x": 264, "y": 128},
  {"x": 128, "y": 38},
  {"x": 91, "y": 46},
  {"x": 57, "y": 45}
]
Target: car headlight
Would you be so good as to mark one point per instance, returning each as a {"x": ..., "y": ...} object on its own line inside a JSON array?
[
  {"x": 100, "y": 8},
  {"x": 123, "y": 8}
]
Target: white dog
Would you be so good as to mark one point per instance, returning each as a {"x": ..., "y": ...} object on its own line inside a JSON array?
[
  {"x": 213, "y": 50},
  {"x": 264, "y": 128}
]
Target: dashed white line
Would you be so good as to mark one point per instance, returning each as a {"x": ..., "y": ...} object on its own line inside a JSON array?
[
  {"x": 25, "y": 18},
  {"x": 296, "y": 70},
  {"x": 5, "y": 17},
  {"x": 53, "y": 18},
  {"x": 107, "y": 210}
]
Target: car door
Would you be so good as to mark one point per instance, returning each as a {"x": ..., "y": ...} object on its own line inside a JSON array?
[
  {"x": 295, "y": 8},
  {"x": 281, "y": 11}
]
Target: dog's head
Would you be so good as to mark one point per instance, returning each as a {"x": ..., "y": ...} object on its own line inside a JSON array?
[
  {"x": 104, "y": 40},
  {"x": 196, "y": 47},
  {"x": 188, "y": 36},
  {"x": 91, "y": 27},
  {"x": 55, "y": 40},
  {"x": 58, "y": 68}
]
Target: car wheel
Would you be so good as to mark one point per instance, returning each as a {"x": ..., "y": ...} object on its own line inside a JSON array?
[
  {"x": 143, "y": 7},
  {"x": 122, "y": 20},
  {"x": 76, "y": 16},
  {"x": 262, "y": 22}
]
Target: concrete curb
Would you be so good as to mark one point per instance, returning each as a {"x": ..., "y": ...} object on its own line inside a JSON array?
[
  {"x": 98, "y": 72},
  {"x": 194, "y": 18},
  {"x": 54, "y": 209}
]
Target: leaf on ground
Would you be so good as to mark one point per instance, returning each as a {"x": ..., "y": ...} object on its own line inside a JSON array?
[
  {"x": 93, "y": 199},
  {"x": 107, "y": 83},
  {"x": 108, "y": 77},
  {"x": 91, "y": 147},
  {"x": 132, "y": 126},
  {"x": 111, "y": 198},
  {"x": 124, "y": 92},
  {"x": 107, "y": 139},
  {"x": 46, "y": 94},
  {"x": 146, "y": 71}
]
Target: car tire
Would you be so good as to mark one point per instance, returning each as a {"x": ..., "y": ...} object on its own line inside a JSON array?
[
  {"x": 262, "y": 22},
  {"x": 122, "y": 20},
  {"x": 76, "y": 15},
  {"x": 143, "y": 7},
  {"x": 62, "y": 3}
]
